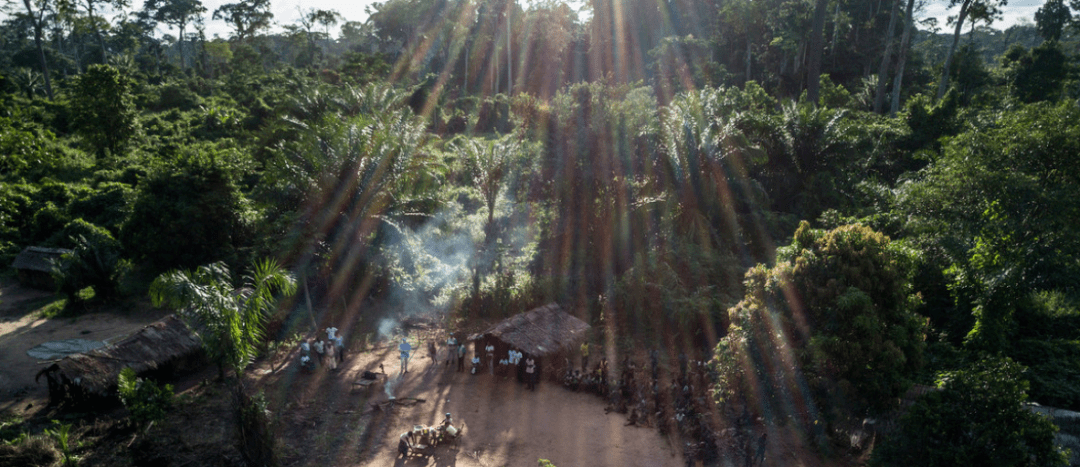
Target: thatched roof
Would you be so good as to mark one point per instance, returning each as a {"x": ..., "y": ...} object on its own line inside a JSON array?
[
  {"x": 96, "y": 371},
  {"x": 35, "y": 258},
  {"x": 540, "y": 332}
]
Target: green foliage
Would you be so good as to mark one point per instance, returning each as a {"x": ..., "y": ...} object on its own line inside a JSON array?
[
  {"x": 144, "y": 399},
  {"x": 182, "y": 218},
  {"x": 66, "y": 442},
  {"x": 94, "y": 262},
  {"x": 837, "y": 314},
  {"x": 104, "y": 112},
  {"x": 229, "y": 321},
  {"x": 976, "y": 417},
  {"x": 545, "y": 463},
  {"x": 1038, "y": 74},
  {"x": 929, "y": 121}
]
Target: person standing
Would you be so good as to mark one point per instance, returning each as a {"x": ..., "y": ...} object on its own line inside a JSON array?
[
  {"x": 331, "y": 332},
  {"x": 404, "y": 348},
  {"x": 331, "y": 358},
  {"x": 451, "y": 349},
  {"x": 461, "y": 358},
  {"x": 490, "y": 349},
  {"x": 320, "y": 350},
  {"x": 339, "y": 343},
  {"x": 584, "y": 356},
  {"x": 432, "y": 352},
  {"x": 530, "y": 373}
]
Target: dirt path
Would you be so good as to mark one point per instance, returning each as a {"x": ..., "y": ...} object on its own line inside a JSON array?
[
  {"x": 330, "y": 422},
  {"x": 22, "y": 329}
]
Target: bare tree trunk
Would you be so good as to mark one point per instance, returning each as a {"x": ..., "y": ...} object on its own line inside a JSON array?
[
  {"x": 883, "y": 70},
  {"x": 905, "y": 44},
  {"x": 943, "y": 84},
  {"x": 179, "y": 45},
  {"x": 748, "y": 57},
  {"x": 97, "y": 30},
  {"x": 813, "y": 78},
  {"x": 38, "y": 33}
]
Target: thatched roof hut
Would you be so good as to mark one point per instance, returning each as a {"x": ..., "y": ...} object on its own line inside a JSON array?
[
  {"x": 164, "y": 343},
  {"x": 34, "y": 266},
  {"x": 541, "y": 332}
]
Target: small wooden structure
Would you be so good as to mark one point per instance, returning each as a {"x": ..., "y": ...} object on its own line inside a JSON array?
[
  {"x": 165, "y": 345},
  {"x": 546, "y": 332},
  {"x": 34, "y": 266}
]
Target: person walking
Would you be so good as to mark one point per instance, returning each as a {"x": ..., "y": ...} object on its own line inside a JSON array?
[{"x": 530, "y": 373}]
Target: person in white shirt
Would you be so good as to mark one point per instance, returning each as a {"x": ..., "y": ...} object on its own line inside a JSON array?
[
  {"x": 330, "y": 332},
  {"x": 530, "y": 373},
  {"x": 491, "y": 357}
]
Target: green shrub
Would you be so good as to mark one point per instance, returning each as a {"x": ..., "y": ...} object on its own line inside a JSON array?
[
  {"x": 977, "y": 417},
  {"x": 144, "y": 399}
]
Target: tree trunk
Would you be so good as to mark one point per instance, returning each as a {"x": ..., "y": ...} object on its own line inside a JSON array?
[
  {"x": 943, "y": 84},
  {"x": 97, "y": 30},
  {"x": 748, "y": 44},
  {"x": 883, "y": 70},
  {"x": 180, "y": 45},
  {"x": 813, "y": 75},
  {"x": 38, "y": 33},
  {"x": 905, "y": 44}
]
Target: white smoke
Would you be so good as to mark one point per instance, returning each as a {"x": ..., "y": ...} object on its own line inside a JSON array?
[
  {"x": 388, "y": 388},
  {"x": 435, "y": 263}
]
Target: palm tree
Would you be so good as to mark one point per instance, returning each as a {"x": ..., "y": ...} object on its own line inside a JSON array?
[
  {"x": 228, "y": 320},
  {"x": 489, "y": 161}
]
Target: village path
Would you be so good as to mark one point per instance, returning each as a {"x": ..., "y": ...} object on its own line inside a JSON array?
[{"x": 331, "y": 423}]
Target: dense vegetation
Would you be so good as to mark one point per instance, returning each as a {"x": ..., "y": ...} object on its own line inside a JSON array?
[{"x": 645, "y": 166}]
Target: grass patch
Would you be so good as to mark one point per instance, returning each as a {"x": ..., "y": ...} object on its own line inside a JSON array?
[{"x": 54, "y": 308}]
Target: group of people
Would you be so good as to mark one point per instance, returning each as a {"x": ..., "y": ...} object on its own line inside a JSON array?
[{"x": 328, "y": 353}]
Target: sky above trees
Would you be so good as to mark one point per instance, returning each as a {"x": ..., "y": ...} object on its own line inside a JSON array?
[{"x": 288, "y": 12}]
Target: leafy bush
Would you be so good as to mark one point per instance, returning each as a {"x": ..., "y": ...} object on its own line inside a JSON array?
[
  {"x": 94, "y": 262},
  {"x": 835, "y": 318},
  {"x": 144, "y": 399},
  {"x": 185, "y": 218},
  {"x": 977, "y": 417}
]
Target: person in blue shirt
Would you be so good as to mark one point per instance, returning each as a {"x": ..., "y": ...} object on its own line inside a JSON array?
[{"x": 405, "y": 348}]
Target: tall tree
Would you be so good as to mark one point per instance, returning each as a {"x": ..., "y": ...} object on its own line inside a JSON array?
[
  {"x": 883, "y": 70},
  {"x": 103, "y": 109},
  {"x": 1052, "y": 18},
  {"x": 984, "y": 10},
  {"x": 95, "y": 23},
  {"x": 817, "y": 42},
  {"x": 179, "y": 13},
  {"x": 246, "y": 17},
  {"x": 38, "y": 21},
  {"x": 905, "y": 46}
]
